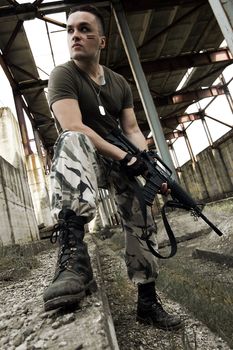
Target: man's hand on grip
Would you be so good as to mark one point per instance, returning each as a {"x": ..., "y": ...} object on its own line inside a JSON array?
[{"x": 133, "y": 165}]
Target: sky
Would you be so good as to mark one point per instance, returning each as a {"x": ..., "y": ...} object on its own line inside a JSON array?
[{"x": 36, "y": 30}]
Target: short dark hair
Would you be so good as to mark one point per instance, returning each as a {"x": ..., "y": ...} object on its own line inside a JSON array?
[{"x": 91, "y": 9}]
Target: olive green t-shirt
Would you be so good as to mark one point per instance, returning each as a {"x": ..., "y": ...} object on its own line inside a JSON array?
[{"x": 68, "y": 81}]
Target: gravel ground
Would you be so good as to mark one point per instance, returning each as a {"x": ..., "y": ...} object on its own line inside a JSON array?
[
  {"x": 25, "y": 326},
  {"x": 132, "y": 335}
]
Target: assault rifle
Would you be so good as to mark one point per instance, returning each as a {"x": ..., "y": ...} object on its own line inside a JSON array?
[{"x": 157, "y": 174}]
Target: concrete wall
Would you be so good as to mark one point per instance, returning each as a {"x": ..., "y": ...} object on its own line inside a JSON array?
[
  {"x": 18, "y": 222},
  {"x": 211, "y": 177},
  {"x": 17, "y": 217},
  {"x": 39, "y": 190}
]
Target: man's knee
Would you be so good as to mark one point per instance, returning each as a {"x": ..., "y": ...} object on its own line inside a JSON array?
[
  {"x": 68, "y": 136},
  {"x": 70, "y": 141}
]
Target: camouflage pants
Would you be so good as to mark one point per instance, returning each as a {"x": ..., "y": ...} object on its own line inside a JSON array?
[{"x": 77, "y": 172}]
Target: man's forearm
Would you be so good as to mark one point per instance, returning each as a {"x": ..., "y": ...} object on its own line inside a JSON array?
[
  {"x": 105, "y": 148},
  {"x": 138, "y": 139}
]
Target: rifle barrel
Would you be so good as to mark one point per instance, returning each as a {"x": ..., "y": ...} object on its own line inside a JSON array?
[{"x": 209, "y": 223}]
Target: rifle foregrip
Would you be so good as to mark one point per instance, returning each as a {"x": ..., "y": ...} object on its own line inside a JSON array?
[{"x": 179, "y": 194}]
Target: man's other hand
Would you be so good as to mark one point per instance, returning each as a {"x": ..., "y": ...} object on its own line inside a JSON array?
[{"x": 164, "y": 190}]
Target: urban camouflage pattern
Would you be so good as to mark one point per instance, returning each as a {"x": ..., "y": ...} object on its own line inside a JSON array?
[
  {"x": 73, "y": 175},
  {"x": 77, "y": 172}
]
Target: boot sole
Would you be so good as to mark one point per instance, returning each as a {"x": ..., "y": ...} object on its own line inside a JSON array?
[
  {"x": 64, "y": 301},
  {"x": 148, "y": 321}
]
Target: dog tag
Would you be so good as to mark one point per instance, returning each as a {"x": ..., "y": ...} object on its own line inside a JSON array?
[{"x": 102, "y": 110}]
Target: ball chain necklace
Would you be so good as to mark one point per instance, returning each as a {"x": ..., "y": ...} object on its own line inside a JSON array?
[{"x": 97, "y": 92}]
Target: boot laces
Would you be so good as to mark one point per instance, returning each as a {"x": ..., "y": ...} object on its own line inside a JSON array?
[
  {"x": 62, "y": 231},
  {"x": 157, "y": 304}
]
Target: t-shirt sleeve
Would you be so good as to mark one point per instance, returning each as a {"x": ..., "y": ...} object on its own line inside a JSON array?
[
  {"x": 61, "y": 85},
  {"x": 128, "y": 96}
]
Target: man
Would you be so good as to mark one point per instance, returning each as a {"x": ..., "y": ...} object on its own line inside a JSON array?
[{"x": 89, "y": 101}]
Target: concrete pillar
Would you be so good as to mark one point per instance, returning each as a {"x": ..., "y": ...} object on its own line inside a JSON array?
[{"x": 18, "y": 221}]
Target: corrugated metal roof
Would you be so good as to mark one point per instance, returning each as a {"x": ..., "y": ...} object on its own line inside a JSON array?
[
  {"x": 22, "y": 65},
  {"x": 161, "y": 30}
]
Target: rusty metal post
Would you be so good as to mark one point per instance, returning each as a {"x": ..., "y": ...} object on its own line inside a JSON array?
[
  {"x": 188, "y": 144},
  {"x": 207, "y": 131},
  {"x": 171, "y": 147},
  {"x": 227, "y": 92},
  {"x": 22, "y": 124}
]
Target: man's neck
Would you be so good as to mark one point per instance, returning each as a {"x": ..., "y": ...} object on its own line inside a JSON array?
[{"x": 93, "y": 70}]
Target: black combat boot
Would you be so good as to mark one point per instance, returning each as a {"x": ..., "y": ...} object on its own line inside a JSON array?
[
  {"x": 150, "y": 310},
  {"x": 73, "y": 276}
]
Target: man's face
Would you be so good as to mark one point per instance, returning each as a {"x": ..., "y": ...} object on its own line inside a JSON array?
[{"x": 84, "y": 36}]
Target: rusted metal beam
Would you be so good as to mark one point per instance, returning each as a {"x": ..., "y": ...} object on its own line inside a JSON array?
[
  {"x": 12, "y": 2},
  {"x": 30, "y": 10},
  {"x": 167, "y": 28},
  {"x": 181, "y": 62},
  {"x": 221, "y": 55},
  {"x": 14, "y": 85},
  {"x": 50, "y": 43},
  {"x": 219, "y": 121},
  {"x": 195, "y": 83},
  {"x": 12, "y": 37},
  {"x": 132, "y": 5},
  {"x": 173, "y": 63},
  {"x": 37, "y": 2},
  {"x": 174, "y": 135},
  {"x": 174, "y": 120},
  {"x": 168, "y": 136},
  {"x": 20, "y": 103},
  {"x": 172, "y": 25},
  {"x": 22, "y": 123},
  {"x": 33, "y": 84},
  {"x": 6, "y": 70},
  {"x": 178, "y": 119},
  {"x": 197, "y": 94},
  {"x": 183, "y": 97},
  {"x": 18, "y": 12},
  {"x": 20, "y": 69},
  {"x": 51, "y": 20},
  {"x": 189, "y": 117}
]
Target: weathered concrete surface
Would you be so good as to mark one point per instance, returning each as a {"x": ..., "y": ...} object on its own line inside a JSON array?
[
  {"x": 39, "y": 188},
  {"x": 25, "y": 326},
  {"x": 211, "y": 177},
  {"x": 18, "y": 222}
]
